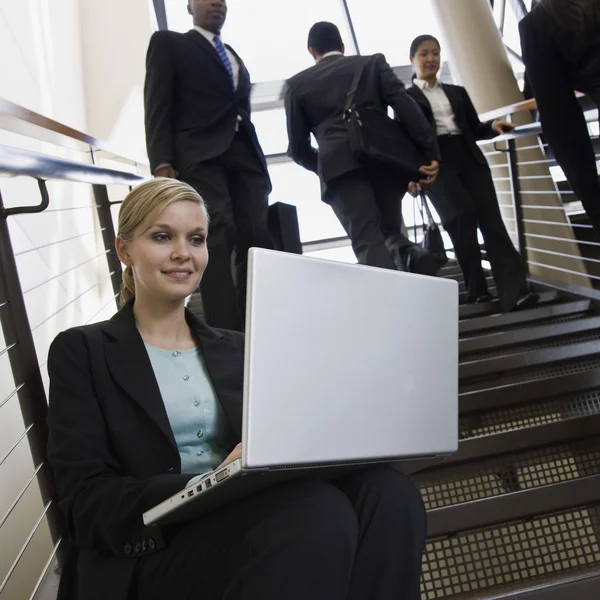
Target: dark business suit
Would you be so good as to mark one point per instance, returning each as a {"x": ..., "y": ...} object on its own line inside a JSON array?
[
  {"x": 114, "y": 456},
  {"x": 366, "y": 200},
  {"x": 192, "y": 123},
  {"x": 558, "y": 63},
  {"x": 465, "y": 197}
]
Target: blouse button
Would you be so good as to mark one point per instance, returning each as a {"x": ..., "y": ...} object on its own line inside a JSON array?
[
  {"x": 196, "y": 403},
  {"x": 186, "y": 377},
  {"x": 200, "y": 433},
  {"x": 176, "y": 353}
]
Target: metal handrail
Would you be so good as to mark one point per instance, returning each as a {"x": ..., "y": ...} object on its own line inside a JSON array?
[{"x": 28, "y": 123}]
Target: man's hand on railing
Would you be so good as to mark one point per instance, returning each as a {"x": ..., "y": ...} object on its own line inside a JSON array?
[
  {"x": 430, "y": 171},
  {"x": 500, "y": 126},
  {"x": 166, "y": 171}
]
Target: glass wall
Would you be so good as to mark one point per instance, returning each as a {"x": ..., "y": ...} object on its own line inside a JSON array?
[{"x": 270, "y": 36}]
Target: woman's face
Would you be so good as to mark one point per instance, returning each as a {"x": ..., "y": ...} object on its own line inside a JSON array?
[
  {"x": 168, "y": 256},
  {"x": 426, "y": 60}
]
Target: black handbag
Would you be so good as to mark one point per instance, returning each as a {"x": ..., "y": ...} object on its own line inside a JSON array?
[
  {"x": 432, "y": 236},
  {"x": 377, "y": 139}
]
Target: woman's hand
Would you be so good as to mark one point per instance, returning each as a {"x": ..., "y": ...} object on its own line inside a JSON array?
[
  {"x": 234, "y": 455},
  {"x": 430, "y": 171},
  {"x": 500, "y": 126}
]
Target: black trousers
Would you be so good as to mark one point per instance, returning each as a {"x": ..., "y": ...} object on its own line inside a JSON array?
[
  {"x": 465, "y": 198},
  {"x": 368, "y": 204},
  {"x": 235, "y": 187},
  {"x": 582, "y": 174},
  {"x": 360, "y": 537}
]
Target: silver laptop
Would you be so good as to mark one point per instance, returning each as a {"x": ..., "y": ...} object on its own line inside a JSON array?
[{"x": 344, "y": 365}]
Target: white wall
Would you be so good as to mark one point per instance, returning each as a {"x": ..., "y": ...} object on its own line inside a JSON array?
[
  {"x": 115, "y": 36},
  {"x": 62, "y": 272}
]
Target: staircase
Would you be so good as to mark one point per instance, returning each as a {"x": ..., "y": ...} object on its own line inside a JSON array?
[{"x": 515, "y": 514}]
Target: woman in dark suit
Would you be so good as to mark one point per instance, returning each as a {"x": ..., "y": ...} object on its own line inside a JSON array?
[
  {"x": 560, "y": 40},
  {"x": 142, "y": 403},
  {"x": 464, "y": 194}
]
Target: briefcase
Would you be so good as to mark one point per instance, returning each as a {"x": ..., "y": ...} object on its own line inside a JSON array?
[{"x": 377, "y": 139}]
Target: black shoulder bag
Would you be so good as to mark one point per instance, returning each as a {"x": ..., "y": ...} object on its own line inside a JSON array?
[{"x": 377, "y": 139}]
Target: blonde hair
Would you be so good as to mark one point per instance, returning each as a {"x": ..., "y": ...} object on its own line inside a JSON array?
[{"x": 144, "y": 204}]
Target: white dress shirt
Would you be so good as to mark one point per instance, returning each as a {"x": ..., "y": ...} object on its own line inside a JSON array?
[
  {"x": 445, "y": 119},
  {"x": 332, "y": 53},
  {"x": 235, "y": 64}
]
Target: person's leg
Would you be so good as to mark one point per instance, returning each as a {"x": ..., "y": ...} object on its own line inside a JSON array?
[
  {"x": 249, "y": 187},
  {"x": 392, "y": 532},
  {"x": 352, "y": 199},
  {"x": 217, "y": 287},
  {"x": 295, "y": 541},
  {"x": 389, "y": 192},
  {"x": 507, "y": 264},
  {"x": 459, "y": 218},
  {"x": 456, "y": 208}
]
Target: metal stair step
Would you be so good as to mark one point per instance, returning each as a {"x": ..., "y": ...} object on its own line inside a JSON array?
[
  {"x": 487, "y": 446},
  {"x": 543, "y": 372},
  {"x": 506, "y": 395},
  {"x": 524, "y": 360},
  {"x": 470, "y": 311},
  {"x": 528, "y": 335},
  {"x": 566, "y": 339},
  {"x": 525, "y": 555},
  {"x": 539, "y": 313}
]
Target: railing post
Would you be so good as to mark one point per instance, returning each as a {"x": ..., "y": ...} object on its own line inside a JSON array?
[
  {"x": 517, "y": 199},
  {"x": 103, "y": 206},
  {"x": 25, "y": 368}
]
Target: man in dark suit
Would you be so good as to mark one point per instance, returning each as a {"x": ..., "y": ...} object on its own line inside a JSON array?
[
  {"x": 366, "y": 200},
  {"x": 561, "y": 51},
  {"x": 198, "y": 128}
]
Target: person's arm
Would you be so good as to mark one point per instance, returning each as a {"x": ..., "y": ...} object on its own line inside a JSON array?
[
  {"x": 561, "y": 116},
  {"x": 158, "y": 102},
  {"x": 103, "y": 507},
  {"x": 407, "y": 111},
  {"x": 300, "y": 148}
]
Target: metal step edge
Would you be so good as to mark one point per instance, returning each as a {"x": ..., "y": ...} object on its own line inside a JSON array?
[
  {"x": 584, "y": 586},
  {"x": 546, "y": 311},
  {"x": 521, "y": 440},
  {"x": 471, "y": 311},
  {"x": 523, "y": 360},
  {"x": 513, "y": 337},
  {"x": 513, "y": 506},
  {"x": 518, "y": 393}
]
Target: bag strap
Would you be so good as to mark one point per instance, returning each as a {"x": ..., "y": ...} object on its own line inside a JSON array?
[
  {"x": 427, "y": 209},
  {"x": 354, "y": 86}
]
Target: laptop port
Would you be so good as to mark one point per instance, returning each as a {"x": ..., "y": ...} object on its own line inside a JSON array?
[
  {"x": 208, "y": 484},
  {"x": 224, "y": 474},
  {"x": 190, "y": 493}
]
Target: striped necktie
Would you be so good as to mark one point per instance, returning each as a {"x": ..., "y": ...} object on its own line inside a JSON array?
[{"x": 224, "y": 58}]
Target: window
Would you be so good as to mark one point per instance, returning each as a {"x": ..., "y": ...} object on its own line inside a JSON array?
[{"x": 269, "y": 35}]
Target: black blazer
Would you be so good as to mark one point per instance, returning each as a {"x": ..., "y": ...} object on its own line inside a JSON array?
[
  {"x": 558, "y": 64},
  {"x": 191, "y": 108},
  {"x": 112, "y": 448},
  {"x": 466, "y": 116},
  {"x": 315, "y": 99}
]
